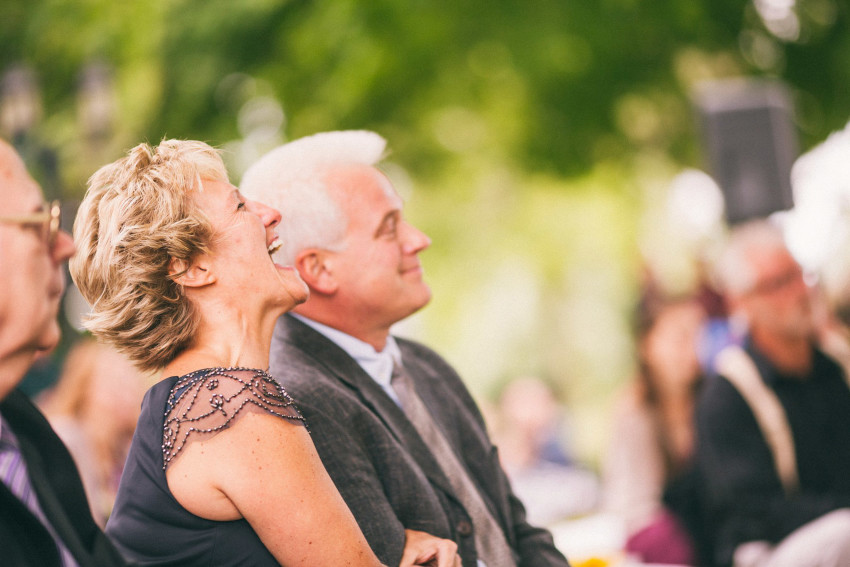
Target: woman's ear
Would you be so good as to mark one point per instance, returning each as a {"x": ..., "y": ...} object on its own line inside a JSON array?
[
  {"x": 196, "y": 274},
  {"x": 315, "y": 267}
]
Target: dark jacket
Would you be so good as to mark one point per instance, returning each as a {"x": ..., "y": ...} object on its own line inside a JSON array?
[
  {"x": 743, "y": 496},
  {"x": 382, "y": 468},
  {"x": 24, "y": 541}
]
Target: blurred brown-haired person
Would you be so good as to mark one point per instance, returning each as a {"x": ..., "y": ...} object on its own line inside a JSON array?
[
  {"x": 653, "y": 434},
  {"x": 93, "y": 408}
]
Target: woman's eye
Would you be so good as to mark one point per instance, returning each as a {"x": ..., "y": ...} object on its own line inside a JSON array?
[{"x": 241, "y": 205}]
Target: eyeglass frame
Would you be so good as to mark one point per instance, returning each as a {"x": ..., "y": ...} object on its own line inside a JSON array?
[{"x": 50, "y": 218}]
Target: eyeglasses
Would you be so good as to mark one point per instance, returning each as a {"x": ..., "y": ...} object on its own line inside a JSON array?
[
  {"x": 49, "y": 219},
  {"x": 778, "y": 282}
]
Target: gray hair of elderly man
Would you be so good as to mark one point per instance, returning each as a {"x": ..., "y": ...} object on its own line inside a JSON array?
[
  {"x": 733, "y": 270},
  {"x": 293, "y": 178}
]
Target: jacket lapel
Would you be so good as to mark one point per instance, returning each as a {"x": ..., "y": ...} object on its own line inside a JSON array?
[
  {"x": 345, "y": 369},
  {"x": 459, "y": 428}
]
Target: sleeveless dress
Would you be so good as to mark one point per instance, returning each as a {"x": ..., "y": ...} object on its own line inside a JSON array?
[{"x": 147, "y": 524}]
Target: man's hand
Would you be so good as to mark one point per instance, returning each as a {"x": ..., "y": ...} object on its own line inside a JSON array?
[{"x": 421, "y": 548}]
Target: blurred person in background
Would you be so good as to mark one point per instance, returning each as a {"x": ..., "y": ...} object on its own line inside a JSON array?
[
  {"x": 529, "y": 428},
  {"x": 93, "y": 408},
  {"x": 177, "y": 267},
  {"x": 45, "y": 519},
  {"x": 652, "y": 439},
  {"x": 773, "y": 428},
  {"x": 394, "y": 424}
]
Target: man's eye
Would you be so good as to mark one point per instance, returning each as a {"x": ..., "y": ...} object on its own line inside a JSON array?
[{"x": 241, "y": 205}]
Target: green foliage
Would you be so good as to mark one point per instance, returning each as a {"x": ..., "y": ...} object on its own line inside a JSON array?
[
  {"x": 552, "y": 87},
  {"x": 537, "y": 133}
]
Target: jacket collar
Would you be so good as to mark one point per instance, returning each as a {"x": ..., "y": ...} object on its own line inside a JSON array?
[{"x": 342, "y": 367}]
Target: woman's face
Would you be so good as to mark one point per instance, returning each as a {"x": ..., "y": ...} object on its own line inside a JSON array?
[
  {"x": 670, "y": 348},
  {"x": 243, "y": 239}
]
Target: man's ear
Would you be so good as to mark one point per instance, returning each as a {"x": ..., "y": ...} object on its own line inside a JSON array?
[
  {"x": 315, "y": 267},
  {"x": 196, "y": 274}
]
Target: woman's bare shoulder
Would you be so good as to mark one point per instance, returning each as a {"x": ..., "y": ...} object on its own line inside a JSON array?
[{"x": 205, "y": 402}]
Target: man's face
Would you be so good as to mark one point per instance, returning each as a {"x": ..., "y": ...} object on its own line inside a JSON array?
[
  {"x": 31, "y": 274},
  {"x": 378, "y": 270},
  {"x": 779, "y": 303}
]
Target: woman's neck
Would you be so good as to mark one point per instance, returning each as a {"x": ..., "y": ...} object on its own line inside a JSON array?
[{"x": 226, "y": 340}]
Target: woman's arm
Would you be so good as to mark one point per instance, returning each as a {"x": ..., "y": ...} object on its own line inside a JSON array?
[{"x": 265, "y": 469}]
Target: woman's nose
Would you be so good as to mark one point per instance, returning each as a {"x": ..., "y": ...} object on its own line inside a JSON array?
[{"x": 271, "y": 216}]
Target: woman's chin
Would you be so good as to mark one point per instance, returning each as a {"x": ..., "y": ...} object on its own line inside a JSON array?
[
  {"x": 301, "y": 294},
  {"x": 296, "y": 291}
]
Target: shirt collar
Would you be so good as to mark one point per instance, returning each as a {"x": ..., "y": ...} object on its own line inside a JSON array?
[{"x": 377, "y": 364}]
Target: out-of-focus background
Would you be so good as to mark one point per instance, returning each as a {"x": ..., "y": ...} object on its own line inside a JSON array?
[{"x": 559, "y": 154}]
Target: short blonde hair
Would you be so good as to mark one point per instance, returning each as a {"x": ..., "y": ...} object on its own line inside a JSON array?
[{"x": 138, "y": 214}]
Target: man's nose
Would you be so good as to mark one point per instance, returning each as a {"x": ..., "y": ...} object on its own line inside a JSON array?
[
  {"x": 414, "y": 240},
  {"x": 63, "y": 247}
]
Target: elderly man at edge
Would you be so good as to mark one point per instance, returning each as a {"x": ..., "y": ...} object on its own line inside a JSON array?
[
  {"x": 436, "y": 472},
  {"x": 773, "y": 430},
  {"x": 45, "y": 519}
]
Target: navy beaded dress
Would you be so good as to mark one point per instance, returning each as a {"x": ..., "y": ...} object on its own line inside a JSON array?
[{"x": 148, "y": 525}]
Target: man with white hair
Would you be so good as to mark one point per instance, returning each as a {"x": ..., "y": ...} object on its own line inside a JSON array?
[
  {"x": 773, "y": 429},
  {"x": 45, "y": 519},
  {"x": 393, "y": 423}
]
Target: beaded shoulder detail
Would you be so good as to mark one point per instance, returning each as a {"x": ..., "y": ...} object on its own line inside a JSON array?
[{"x": 205, "y": 402}]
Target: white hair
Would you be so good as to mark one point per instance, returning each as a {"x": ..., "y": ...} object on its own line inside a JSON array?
[
  {"x": 293, "y": 179},
  {"x": 733, "y": 270}
]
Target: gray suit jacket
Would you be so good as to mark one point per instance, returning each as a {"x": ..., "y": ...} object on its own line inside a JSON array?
[{"x": 382, "y": 468}]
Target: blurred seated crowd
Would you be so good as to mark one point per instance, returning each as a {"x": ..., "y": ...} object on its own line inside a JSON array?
[
  {"x": 728, "y": 447},
  {"x": 732, "y": 445}
]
